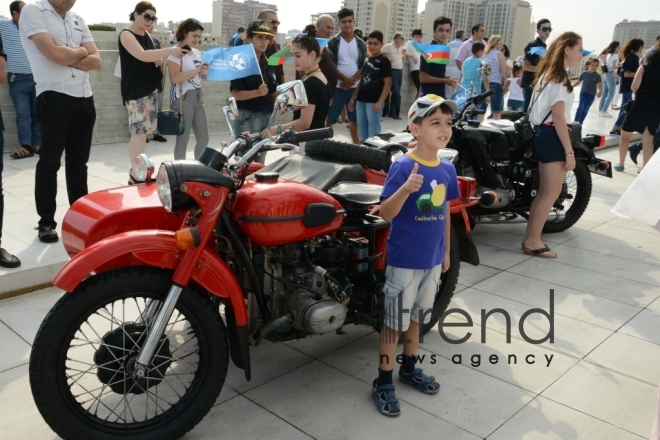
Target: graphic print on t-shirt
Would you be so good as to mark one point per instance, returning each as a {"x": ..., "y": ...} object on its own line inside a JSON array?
[{"x": 432, "y": 201}]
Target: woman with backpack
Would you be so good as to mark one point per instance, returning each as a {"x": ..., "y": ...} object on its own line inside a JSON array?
[{"x": 609, "y": 58}]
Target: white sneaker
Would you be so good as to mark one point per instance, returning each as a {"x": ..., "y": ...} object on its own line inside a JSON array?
[{"x": 606, "y": 115}]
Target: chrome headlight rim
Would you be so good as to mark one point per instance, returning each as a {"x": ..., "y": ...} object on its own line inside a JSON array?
[
  {"x": 144, "y": 168},
  {"x": 164, "y": 188}
]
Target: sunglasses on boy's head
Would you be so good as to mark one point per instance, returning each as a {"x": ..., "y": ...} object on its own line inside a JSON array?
[
  {"x": 546, "y": 29},
  {"x": 148, "y": 17}
]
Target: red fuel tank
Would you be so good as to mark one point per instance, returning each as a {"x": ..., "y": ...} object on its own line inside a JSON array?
[{"x": 275, "y": 211}]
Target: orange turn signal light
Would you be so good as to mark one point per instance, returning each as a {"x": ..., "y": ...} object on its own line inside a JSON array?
[{"x": 187, "y": 238}]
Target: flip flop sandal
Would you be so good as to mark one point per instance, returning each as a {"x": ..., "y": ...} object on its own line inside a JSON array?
[
  {"x": 22, "y": 153},
  {"x": 538, "y": 252}
]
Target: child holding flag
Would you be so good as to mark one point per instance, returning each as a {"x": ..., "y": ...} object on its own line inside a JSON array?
[{"x": 255, "y": 94}]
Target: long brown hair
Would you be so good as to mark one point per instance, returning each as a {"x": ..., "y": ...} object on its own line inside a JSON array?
[
  {"x": 632, "y": 46},
  {"x": 551, "y": 67}
]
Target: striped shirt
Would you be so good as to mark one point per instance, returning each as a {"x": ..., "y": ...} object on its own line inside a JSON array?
[{"x": 17, "y": 60}]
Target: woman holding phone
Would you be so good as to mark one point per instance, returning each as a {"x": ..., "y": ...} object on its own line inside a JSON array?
[
  {"x": 186, "y": 76},
  {"x": 141, "y": 78}
]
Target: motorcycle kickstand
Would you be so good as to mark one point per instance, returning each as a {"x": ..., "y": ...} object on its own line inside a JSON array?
[{"x": 147, "y": 351}]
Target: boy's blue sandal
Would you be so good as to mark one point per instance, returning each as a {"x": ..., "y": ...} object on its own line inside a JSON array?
[
  {"x": 425, "y": 384},
  {"x": 385, "y": 399}
]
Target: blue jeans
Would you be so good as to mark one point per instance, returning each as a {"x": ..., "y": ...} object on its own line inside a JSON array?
[
  {"x": 583, "y": 108},
  {"x": 395, "y": 90},
  {"x": 497, "y": 98},
  {"x": 625, "y": 97},
  {"x": 514, "y": 105},
  {"x": 254, "y": 122},
  {"x": 23, "y": 93},
  {"x": 339, "y": 101},
  {"x": 609, "y": 90},
  {"x": 368, "y": 121}
]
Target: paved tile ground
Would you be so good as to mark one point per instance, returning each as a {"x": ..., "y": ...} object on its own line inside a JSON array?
[{"x": 598, "y": 380}]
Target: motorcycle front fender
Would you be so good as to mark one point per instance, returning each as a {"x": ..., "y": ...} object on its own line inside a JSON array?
[
  {"x": 154, "y": 248},
  {"x": 468, "y": 250}
]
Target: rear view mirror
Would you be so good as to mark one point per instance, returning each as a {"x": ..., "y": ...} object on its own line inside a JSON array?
[
  {"x": 486, "y": 68},
  {"x": 232, "y": 109},
  {"x": 291, "y": 96}
]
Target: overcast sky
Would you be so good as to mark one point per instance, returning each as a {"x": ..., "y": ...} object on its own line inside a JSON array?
[{"x": 593, "y": 19}]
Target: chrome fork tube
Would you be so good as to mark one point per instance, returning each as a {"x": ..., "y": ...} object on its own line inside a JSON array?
[
  {"x": 147, "y": 317},
  {"x": 157, "y": 329}
]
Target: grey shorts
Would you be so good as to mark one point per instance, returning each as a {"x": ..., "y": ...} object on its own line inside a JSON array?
[{"x": 416, "y": 289}]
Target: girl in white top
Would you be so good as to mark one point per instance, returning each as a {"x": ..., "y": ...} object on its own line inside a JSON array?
[
  {"x": 610, "y": 59},
  {"x": 551, "y": 110},
  {"x": 186, "y": 75}
]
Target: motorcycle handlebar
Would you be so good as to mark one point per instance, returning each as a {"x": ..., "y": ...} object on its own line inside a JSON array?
[{"x": 291, "y": 137}]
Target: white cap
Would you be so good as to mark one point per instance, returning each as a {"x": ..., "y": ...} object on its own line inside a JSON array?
[{"x": 426, "y": 104}]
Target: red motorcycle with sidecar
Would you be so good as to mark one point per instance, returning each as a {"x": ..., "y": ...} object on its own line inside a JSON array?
[{"x": 170, "y": 279}]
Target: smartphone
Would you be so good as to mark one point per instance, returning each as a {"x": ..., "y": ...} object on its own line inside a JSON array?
[{"x": 186, "y": 47}]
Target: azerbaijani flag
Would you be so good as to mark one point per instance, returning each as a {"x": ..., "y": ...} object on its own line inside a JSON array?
[
  {"x": 434, "y": 53},
  {"x": 279, "y": 57}
]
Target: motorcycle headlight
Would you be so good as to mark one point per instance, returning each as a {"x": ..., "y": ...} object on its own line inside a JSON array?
[
  {"x": 144, "y": 168},
  {"x": 164, "y": 190}
]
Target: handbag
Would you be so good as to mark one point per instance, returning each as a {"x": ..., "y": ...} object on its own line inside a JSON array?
[
  {"x": 628, "y": 106},
  {"x": 169, "y": 121},
  {"x": 524, "y": 127}
]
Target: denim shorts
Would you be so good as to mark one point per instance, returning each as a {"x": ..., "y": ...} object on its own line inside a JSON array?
[
  {"x": 409, "y": 294},
  {"x": 339, "y": 101},
  {"x": 546, "y": 145}
]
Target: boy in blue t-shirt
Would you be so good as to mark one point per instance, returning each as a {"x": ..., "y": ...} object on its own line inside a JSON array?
[
  {"x": 470, "y": 75},
  {"x": 415, "y": 199}
]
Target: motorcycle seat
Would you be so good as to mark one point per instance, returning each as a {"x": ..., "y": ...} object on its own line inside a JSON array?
[
  {"x": 365, "y": 194},
  {"x": 320, "y": 173}
]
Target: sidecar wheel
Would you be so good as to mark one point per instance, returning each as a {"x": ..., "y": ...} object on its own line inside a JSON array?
[
  {"x": 84, "y": 351},
  {"x": 447, "y": 285}
]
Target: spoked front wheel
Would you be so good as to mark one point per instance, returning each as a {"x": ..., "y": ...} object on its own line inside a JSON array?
[{"x": 83, "y": 359}]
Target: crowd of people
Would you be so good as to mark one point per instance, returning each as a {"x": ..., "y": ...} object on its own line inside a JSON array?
[{"x": 47, "y": 67}]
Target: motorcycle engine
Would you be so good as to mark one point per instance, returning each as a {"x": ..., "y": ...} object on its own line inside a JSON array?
[{"x": 304, "y": 283}]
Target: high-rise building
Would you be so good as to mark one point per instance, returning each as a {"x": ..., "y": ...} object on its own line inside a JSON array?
[
  {"x": 229, "y": 15},
  {"x": 646, "y": 30},
  {"x": 387, "y": 16},
  {"x": 508, "y": 18}
]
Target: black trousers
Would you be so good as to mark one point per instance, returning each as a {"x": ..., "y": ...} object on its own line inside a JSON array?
[
  {"x": 415, "y": 78},
  {"x": 66, "y": 124},
  {"x": 2, "y": 196}
]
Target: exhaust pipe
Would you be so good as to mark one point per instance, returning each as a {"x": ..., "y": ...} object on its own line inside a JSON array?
[
  {"x": 556, "y": 216},
  {"x": 262, "y": 331}
]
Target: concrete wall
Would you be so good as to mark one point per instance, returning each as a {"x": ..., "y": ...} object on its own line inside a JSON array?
[{"x": 111, "y": 117}]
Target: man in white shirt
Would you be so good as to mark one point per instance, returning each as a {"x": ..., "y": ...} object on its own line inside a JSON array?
[
  {"x": 453, "y": 70},
  {"x": 394, "y": 52},
  {"x": 61, "y": 51},
  {"x": 349, "y": 54},
  {"x": 409, "y": 52}
]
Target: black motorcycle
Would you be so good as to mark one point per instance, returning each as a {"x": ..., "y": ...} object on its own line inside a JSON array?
[{"x": 496, "y": 154}]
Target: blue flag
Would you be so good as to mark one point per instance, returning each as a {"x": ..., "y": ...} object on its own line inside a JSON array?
[
  {"x": 540, "y": 51},
  {"x": 227, "y": 63}
]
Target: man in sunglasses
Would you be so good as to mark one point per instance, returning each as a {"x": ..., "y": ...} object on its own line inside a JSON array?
[
  {"x": 270, "y": 17},
  {"x": 61, "y": 51},
  {"x": 543, "y": 29}
]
